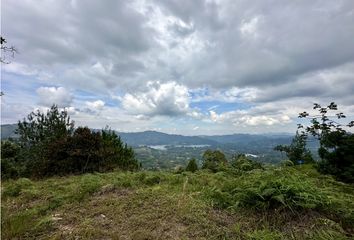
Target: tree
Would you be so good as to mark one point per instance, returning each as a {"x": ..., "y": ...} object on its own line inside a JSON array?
[
  {"x": 241, "y": 162},
  {"x": 40, "y": 128},
  {"x": 214, "y": 160},
  {"x": 336, "y": 144},
  {"x": 297, "y": 149},
  {"x": 50, "y": 146},
  {"x": 192, "y": 165},
  {"x": 9, "y": 160},
  {"x": 37, "y": 134},
  {"x": 116, "y": 154}
]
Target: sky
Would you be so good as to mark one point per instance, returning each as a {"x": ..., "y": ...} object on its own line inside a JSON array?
[{"x": 178, "y": 66}]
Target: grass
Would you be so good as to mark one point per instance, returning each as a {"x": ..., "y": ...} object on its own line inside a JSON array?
[{"x": 275, "y": 203}]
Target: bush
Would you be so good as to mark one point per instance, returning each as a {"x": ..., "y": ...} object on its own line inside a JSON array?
[
  {"x": 214, "y": 160},
  {"x": 192, "y": 165},
  {"x": 269, "y": 190},
  {"x": 287, "y": 163},
  {"x": 10, "y": 166},
  {"x": 241, "y": 162}
]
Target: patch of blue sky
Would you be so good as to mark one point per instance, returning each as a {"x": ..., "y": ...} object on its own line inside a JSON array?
[
  {"x": 14, "y": 82},
  {"x": 220, "y": 107},
  {"x": 81, "y": 95}
]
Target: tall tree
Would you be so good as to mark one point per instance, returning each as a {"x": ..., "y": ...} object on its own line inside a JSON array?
[
  {"x": 336, "y": 143},
  {"x": 297, "y": 150}
]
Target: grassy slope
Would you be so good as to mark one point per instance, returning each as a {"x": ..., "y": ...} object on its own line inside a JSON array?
[{"x": 162, "y": 205}]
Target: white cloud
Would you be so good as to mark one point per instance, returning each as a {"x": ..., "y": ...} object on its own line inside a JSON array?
[
  {"x": 249, "y": 28},
  {"x": 166, "y": 99},
  {"x": 54, "y": 95},
  {"x": 256, "y": 116},
  {"x": 95, "y": 105},
  {"x": 19, "y": 68}
]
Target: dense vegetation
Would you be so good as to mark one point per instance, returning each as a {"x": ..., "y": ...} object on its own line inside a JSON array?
[
  {"x": 272, "y": 203},
  {"x": 297, "y": 152},
  {"x": 336, "y": 143},
  {"x": 49, "y": 145}
]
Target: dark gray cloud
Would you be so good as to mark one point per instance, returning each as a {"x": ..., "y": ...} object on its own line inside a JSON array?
[
  {"x": 266, "y": 43},
  {"x": 270, "y": 51},
  {"x": 334, "y": 84},
  {"x": 68, "y": 29},
  {"x": 68, "y": 36},
  {"x": 203, "y": 14}
]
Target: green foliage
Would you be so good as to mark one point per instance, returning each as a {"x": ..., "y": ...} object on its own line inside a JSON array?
[
  {"x": 116, "y": 153},
  {"x": 336, "y": 144},
  {"x": 192, "y": 165},
  {"x": 200, "y": 205},
  {"x": 40, "y": 128},
  {"x": 337, "y": 155},
  {"x": 279, "y": 189},
  {"x": 214, "y": 160},
  {"x": 287, "y": 163},
  {"x": 241, "y": 162},
  {"x": 9, "y": 149},
  {"x": 49, "y": 146},
  {"x": 15, "y": 187},
  {"x": 297, "y": 150},
  {"x": 10, "y": 167}
]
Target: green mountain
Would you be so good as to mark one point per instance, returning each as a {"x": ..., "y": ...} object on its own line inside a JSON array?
[{"x": 8, "y": 131}]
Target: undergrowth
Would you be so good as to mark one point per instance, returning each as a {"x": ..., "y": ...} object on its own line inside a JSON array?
[{"x": 271, "y": 203}]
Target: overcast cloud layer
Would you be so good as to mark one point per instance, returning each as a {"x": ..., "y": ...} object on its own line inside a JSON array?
[{"x": 179, "y": 66}]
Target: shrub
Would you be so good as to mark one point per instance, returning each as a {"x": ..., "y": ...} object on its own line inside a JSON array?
[
  {"x": 241, "y": 162},
  {"x": 152, "y": 180},
  {"x": 10, "y": 166},
  {"x": 287, "y": 163},
  {"x": 269, "y": 190},
  {"x": 214, "y": 160},
  {"x": 192, "y": 165}
]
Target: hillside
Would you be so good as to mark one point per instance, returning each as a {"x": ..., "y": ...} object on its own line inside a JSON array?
[
  {"x": 156, "y": 150},
  {"x": 8, "y": 131},
  {"x": 158, "y": 138},
  {"x": 276, "y": 203},
  {"x": 148, "y": 138}
]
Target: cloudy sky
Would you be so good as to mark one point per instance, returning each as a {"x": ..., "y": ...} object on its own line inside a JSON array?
[{"x": 179, "y": 66}]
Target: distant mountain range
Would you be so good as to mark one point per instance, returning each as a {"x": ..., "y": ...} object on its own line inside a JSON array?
[
  {"x": 157, "y": 150},
  {"x": 8, "y": 131},
  {"x": 148, "y": 138},
  {"x": 158, "y": 138}
]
